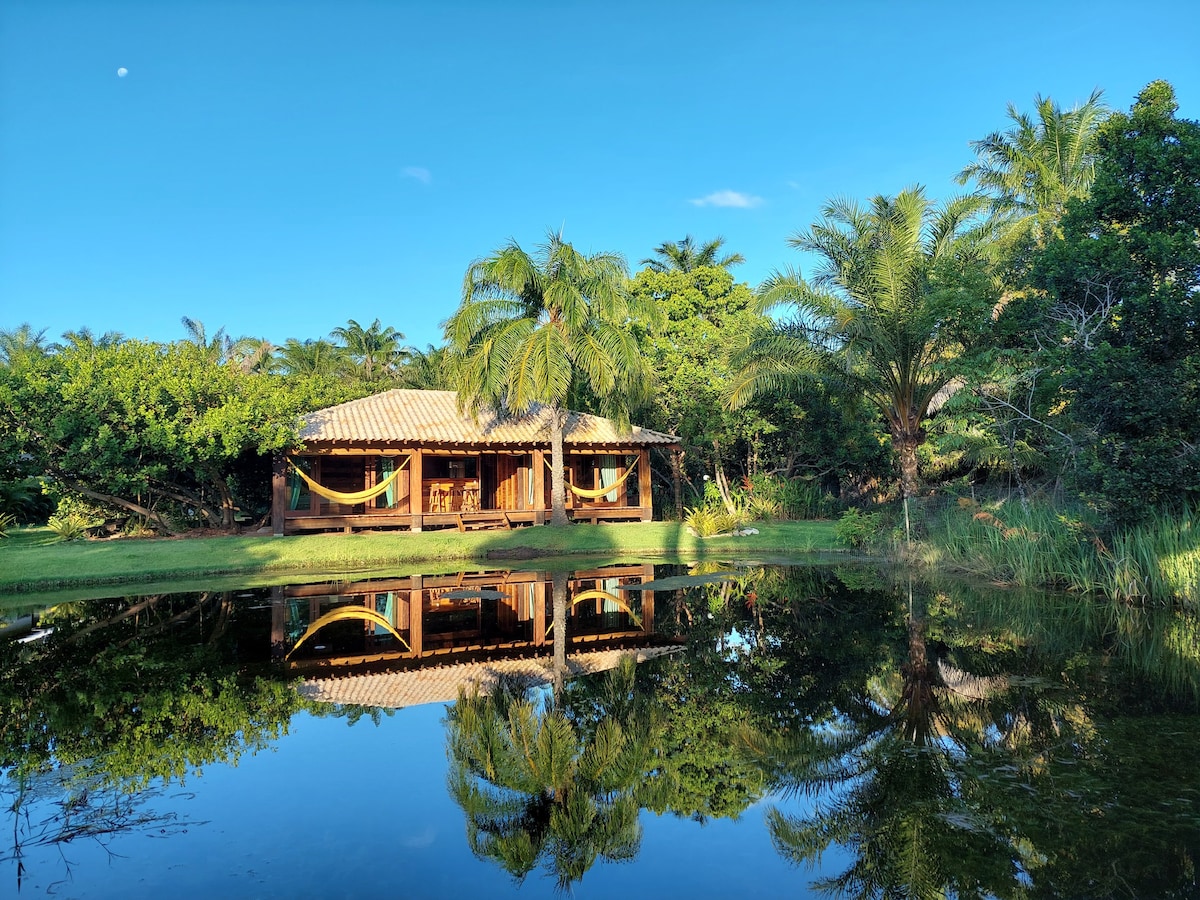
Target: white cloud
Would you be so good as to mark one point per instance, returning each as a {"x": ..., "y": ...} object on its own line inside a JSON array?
[
  {"x": 728, "y": 198},
  {"x": 417, "y": 173}
]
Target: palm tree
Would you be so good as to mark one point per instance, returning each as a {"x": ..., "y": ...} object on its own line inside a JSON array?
[
  {"x": 22, "y": 343},
  {"x": 539, "y": 330},
  {"x": 900, "y": 290},
  {"x": 376, "y": 350},
  {"x": 1044, "y": 160},
  {"x": 217, "y": 348},
  {"x": 426, "y": 369},
  {"x": 252, "y": 354},
  {"x": 86, "y": 339},
  {"x": 684, "y": 256},
  {"x": 311, "y": 357}
]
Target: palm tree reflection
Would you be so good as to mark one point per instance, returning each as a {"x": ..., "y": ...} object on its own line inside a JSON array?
[
  {"x": 886, "y": 782},
  {"x": 546, "y": 780}
]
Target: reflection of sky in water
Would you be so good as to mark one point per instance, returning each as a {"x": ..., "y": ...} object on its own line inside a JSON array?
[{"x": 338, "y": 810}]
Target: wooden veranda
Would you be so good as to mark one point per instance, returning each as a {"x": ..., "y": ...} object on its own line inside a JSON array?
[{"x": 409, "y": 459}]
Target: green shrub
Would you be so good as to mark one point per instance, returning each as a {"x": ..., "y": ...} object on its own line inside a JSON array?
[
  {"x": 69, "y": 527},
  {"x": 858, "y": 529},
  {"x": 7, "y": 520}
]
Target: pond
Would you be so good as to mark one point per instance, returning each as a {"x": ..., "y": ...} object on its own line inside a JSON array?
[{"x": 625, "y": 730}]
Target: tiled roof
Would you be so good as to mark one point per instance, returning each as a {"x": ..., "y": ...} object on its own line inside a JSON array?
[
  {"x": 409, "y": 416},
  {"x": 440, "y": 684}
]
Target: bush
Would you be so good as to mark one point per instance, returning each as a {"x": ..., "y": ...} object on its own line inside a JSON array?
[
  {"x": 858, "y": 529},
  {"x": 7, "y": 521},
  {"x": 789, "y": 498}
]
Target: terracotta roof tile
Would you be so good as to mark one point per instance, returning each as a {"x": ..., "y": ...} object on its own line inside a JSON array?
[{"x": 409, "y": 416}]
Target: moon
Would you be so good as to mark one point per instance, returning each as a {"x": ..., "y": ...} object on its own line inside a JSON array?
[{"x": 122, "y": 72}]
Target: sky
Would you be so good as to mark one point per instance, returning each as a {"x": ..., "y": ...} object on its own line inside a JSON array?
[{"x": 279, "y": 168}]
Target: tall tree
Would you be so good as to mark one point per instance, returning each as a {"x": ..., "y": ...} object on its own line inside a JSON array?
[
  {"x": 376, "y": 349},
  {"x": 216, "y": 348},
  {"x": 311, "y": 357},
  {"x": 1124, "y": 282},
  {"x": 1033, "y": 169},
  {"x": 899, "y": 292},
  {"x": 543, "y": 329},
  {"x": 22, "y": 344},
  {"x": 686, "y": 256}
]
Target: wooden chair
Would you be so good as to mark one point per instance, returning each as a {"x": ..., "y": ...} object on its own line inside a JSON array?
[
  {"x": 470, "y": 497},
  {"x": 441, "y": 497}
]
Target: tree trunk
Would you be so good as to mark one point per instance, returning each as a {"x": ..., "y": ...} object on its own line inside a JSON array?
[
  {"x": 906, "y": 438},
  {"x": 558, "y": 486},
  {"x": 559, "y": 589}
]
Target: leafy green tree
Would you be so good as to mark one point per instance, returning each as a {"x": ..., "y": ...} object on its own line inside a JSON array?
[
  {"x": 686, "y": 256},
  {"x": 900, "y": 292},
  {"x": 1124, "y": 287},
  {"x": 546, "y": 329},
  {"x": 158, "y": 432}
]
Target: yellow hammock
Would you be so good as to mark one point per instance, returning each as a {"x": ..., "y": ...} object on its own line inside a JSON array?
[
  {"x": 356, "y": 496},
  {"x": 597, "y": 493},
  {"x": 349, "y": 612},
  {"x": 601, "y": 595}
]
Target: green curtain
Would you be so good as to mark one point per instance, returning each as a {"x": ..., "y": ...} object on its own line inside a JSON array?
[
  {"x": 386, "y": 467},
  {"x": 608, "y": 475}
]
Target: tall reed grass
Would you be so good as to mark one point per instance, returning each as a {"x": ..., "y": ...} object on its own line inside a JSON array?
[{"x": 1037, "y": 545}]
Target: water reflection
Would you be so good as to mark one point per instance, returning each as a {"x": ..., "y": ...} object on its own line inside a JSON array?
[{"x": 904, "y": 739}]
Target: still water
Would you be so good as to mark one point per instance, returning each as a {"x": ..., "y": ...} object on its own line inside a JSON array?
[{"x": 626, "y": 731}]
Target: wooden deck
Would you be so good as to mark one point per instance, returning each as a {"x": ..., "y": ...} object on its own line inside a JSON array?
[{"x": 463, "y": 521}]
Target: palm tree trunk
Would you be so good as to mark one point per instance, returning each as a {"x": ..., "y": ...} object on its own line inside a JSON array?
[
  {"x": 558, "y": 486},
  {"x": 559, "y": 591},
  {"x": 906, "y": 438}
]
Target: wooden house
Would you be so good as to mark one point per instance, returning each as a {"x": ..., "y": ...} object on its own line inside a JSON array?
[{"x": 410, "y": 459}]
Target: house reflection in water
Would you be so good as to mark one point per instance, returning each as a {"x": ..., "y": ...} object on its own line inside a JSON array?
[{"x": 417, "y": 639}]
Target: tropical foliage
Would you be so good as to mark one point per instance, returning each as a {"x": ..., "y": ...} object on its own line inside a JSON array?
[
  {"x": 900, "y": 291},
  {"x": 552, "y": 329}
]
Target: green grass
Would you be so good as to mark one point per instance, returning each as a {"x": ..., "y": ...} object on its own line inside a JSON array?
[
  {"x": 31, "y": 560},
  {"x": 1157, "y": 561}
]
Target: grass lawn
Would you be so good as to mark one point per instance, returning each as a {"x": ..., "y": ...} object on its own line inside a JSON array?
[{"x": 31, "y": 561}]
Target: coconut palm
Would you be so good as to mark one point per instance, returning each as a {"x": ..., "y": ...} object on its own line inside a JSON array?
[
  {"x": 216, "y": 348},
  {"x": 426, "y": 369},
  {"x": 86, "y": 339},
  {"x": 684, "y": 256},
  {"x": 1044, "y": 160},
  {"x": 375, "y": 349},
  {"x": 899, "y": 291},
  {"x": 542, "y": 329},
  {"x": 251, "y": 354},
  {"x": 311, "y": 357}
]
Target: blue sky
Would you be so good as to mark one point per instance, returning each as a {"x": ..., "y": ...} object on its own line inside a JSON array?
[{"x": 276, "y": 168}]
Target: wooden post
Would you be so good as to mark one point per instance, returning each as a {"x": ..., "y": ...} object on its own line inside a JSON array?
[
  {"x": 539, "y": 611},
  {"x": 278, "y": 493},
  {"x": 539, "y": 487},
  {"x": 416, "y": 617},
  {"x": 647, "y": 600},
  {"x": 278, "y": 623},
  {"x": 645, "y": 498},
  {"x": 416, "y": 493}
]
